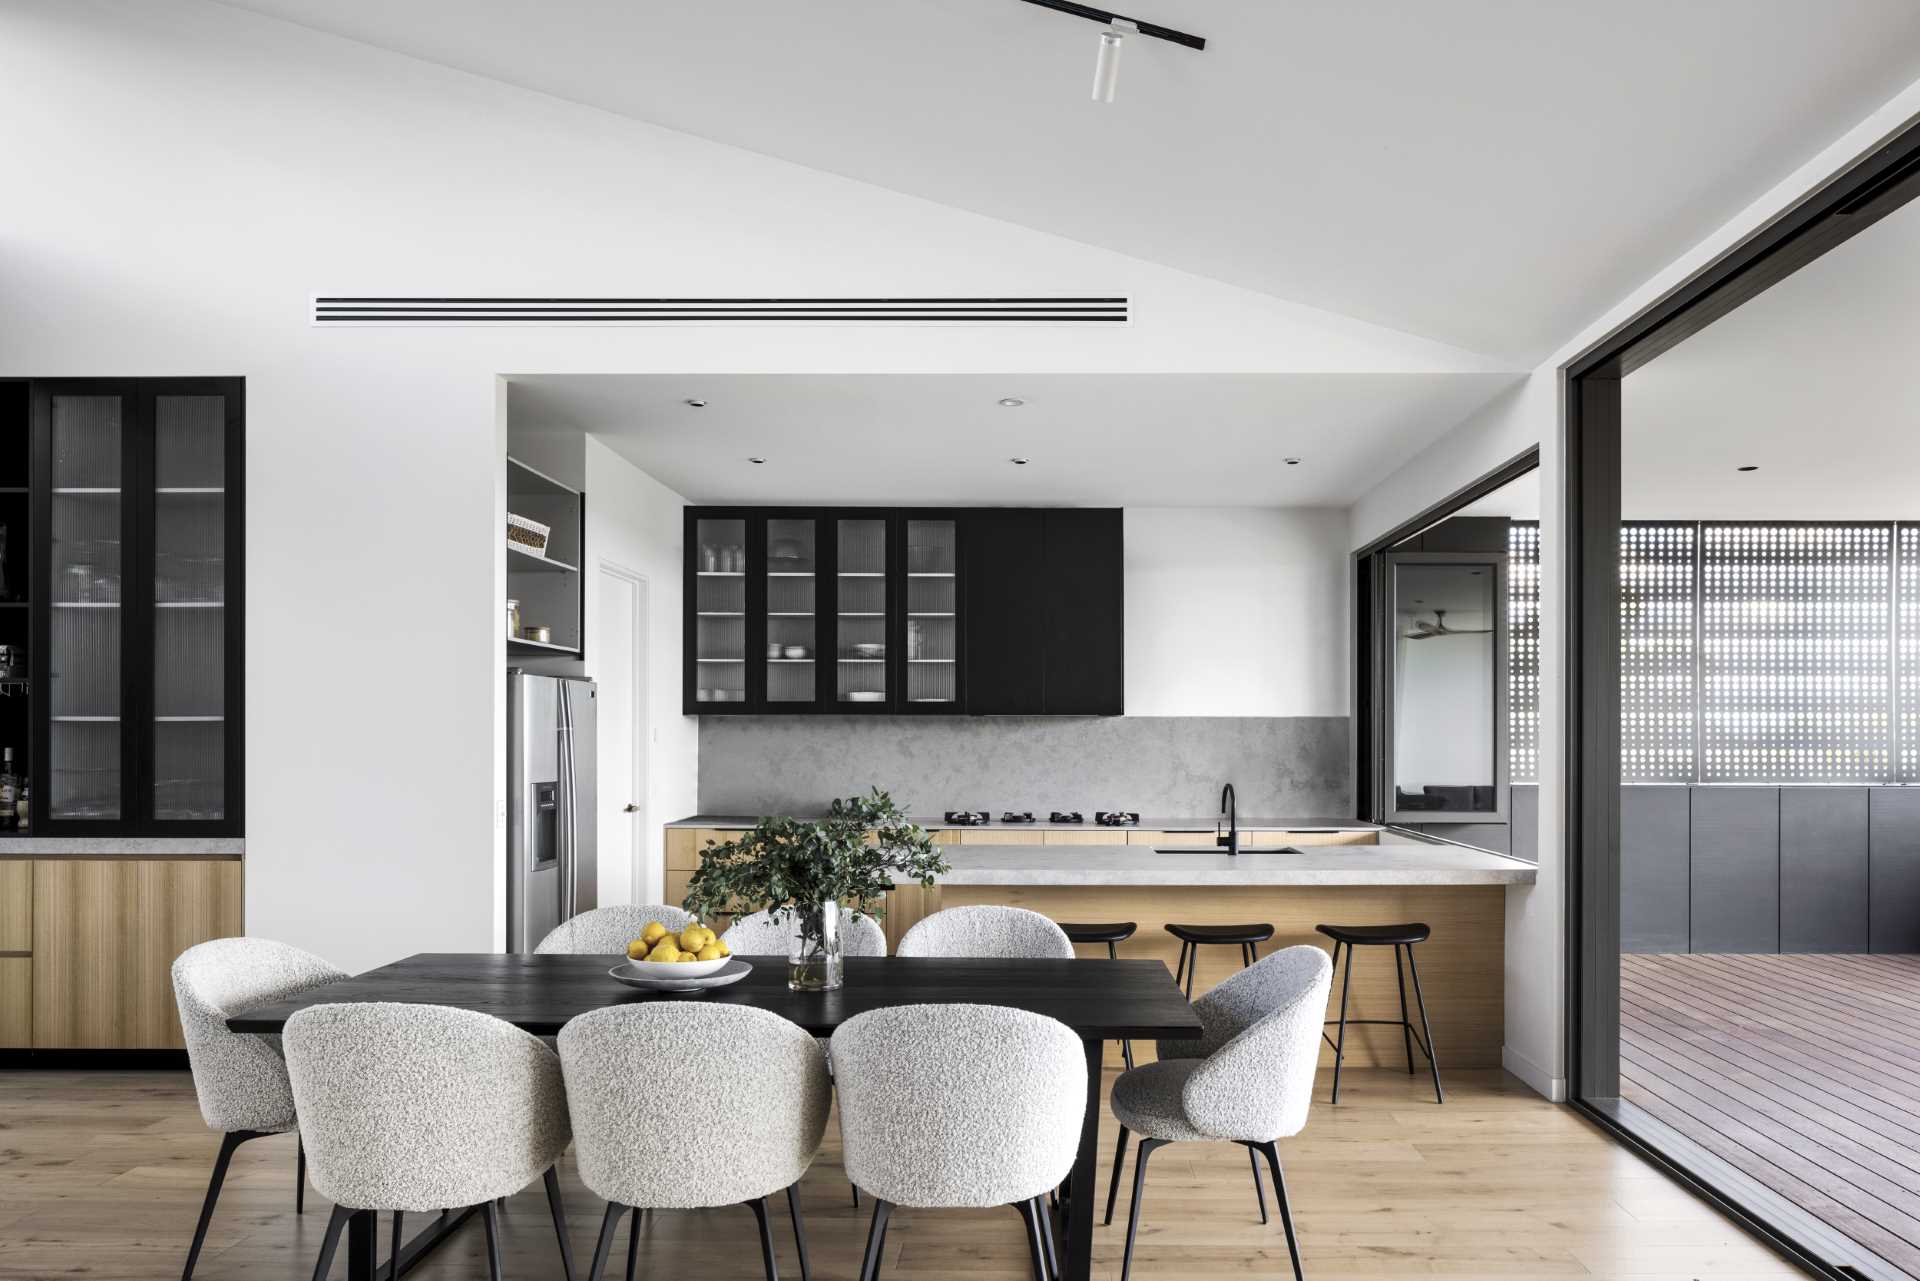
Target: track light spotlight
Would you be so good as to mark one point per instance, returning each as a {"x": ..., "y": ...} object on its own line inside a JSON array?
[{"x": 1106, "y": 65}]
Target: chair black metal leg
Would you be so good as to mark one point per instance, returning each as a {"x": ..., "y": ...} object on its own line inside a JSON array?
[
  {"x": 633, "y": 1244},
  {"x": 799, "y": 1231},
  {"x": 331, "y": 1241},
  {"x": 1180, "y": 966},
  {"x": 1146, "y": 1149},
  {"x": 1286, "y": 1211},
  {"x": 299, "y": 1175},
  {"x": 393, "y": 1256},
  {"x": 492, "y": 1213},
  {"x": 600, "y": 1250},
  {"x": 876, "y": 1241},
  {"x": 1426, "y": 1029},
  {"x": 1259, "y": 1192},
  {"x": 856, "y": 1193},
  {"x": 1406, "y": 1024},
  {"x": 1126, "y": 1047},
  {"x": 559, "y": 1211},
  {"x": 228, "y": 1142},
  {"x": 1036, "y": 1251},
  {"x": 1193, "y": 966},
  {"x": 759, "y": 1207},
  {"x": 1340, "y": 1047},
  {"x": 1113, "y": 1184},
  {"x": 1046, "y": 1239}
]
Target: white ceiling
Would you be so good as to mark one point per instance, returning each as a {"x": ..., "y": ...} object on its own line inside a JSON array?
[
  {"x": 1489, "y": 173},
  {"x": 1814, "y": 382},
  {"x": 1131, "y": 440}
]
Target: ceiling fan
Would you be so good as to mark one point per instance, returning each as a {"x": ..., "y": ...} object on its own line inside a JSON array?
[{"x": 1423, "y": 630}]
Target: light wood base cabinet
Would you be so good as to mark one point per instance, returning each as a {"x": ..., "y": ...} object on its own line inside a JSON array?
[{"x": 105, "y": 934}]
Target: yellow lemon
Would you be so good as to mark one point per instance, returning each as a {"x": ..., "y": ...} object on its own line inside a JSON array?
[
  {"x": 711, "y": 952},
  {"x": 637, "y": 950},
  {"x": 720, "y": 945},
  {"x": 653, "y": 933},
  {"x": 681, "y": 958},
  {"x": 692, "y": 939},
  {"x": 663, "y": 951}
]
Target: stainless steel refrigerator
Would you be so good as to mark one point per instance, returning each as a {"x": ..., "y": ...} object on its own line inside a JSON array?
[{"x": 552, "y": 868}]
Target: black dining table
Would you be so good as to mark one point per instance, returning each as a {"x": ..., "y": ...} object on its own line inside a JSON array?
[{"x": 1101, "y": 1000}]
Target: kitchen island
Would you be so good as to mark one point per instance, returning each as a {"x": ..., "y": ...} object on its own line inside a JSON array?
[{"x": 1293, "y": 874}]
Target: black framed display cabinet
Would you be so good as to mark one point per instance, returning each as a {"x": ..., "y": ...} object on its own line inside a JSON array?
[
  {"x": 859, "y": 611},
  {"x": 133, "y": 595}
]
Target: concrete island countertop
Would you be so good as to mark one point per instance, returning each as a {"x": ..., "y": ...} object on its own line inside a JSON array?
[
  {"x": 1398, "y": 864},
  {"x": 1147, "y": 823},
  {"x": 158, "y": 847}
]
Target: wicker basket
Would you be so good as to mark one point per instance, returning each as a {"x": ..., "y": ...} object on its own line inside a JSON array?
[{"x": 528, "y": 535}]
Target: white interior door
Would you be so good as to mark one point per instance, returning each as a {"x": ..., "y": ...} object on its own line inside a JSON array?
[{"x": 622, "y": 672}]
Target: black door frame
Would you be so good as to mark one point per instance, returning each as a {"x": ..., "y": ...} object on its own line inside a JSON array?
[{"x": 1874, "y": 186}]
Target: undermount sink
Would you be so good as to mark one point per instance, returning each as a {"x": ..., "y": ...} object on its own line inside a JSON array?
[{"x": 1221, "y": 849}]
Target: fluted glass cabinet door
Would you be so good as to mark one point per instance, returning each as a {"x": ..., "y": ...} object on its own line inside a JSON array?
[
  {"x": 792, "y": 623},
  {"x": 189, "y": 564},
  {"x": 860, "y": 595},
  {"x": 87, "y": 520},
  {"x": 933, "y": 613}
]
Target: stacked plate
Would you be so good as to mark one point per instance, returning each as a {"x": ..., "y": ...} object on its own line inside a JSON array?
[{"x": 648, "y": 976}]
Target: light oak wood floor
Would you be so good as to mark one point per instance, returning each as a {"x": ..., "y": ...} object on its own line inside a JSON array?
[{"x": 101, "y": 1176}]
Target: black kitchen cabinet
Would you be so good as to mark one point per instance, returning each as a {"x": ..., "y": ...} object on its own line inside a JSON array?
[
  {"x": 135, "y": 598},
  {"x": 1082, "y": 623},
  {"x": 990, "y": 611},
  {"x": 1006, "y": 611}
]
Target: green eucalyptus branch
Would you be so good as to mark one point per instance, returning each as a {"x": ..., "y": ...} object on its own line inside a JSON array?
[{"x": 858, "y": 852}]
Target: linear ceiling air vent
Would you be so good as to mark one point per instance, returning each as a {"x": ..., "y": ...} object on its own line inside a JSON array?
[{"x": 351, "y": 310}]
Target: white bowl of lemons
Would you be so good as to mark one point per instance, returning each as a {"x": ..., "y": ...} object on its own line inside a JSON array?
[{"x": 693, "y": 953}]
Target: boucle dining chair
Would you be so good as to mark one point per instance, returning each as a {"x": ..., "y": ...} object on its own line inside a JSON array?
[
  {"x": 605, "y": 931},
  {"x": 764, "y": 934},
  {"x": 930, "y": 1121},
  {"x": 1247, "y": 1080},
  {"x": 761, "y": 1089},
  {"x": 240, "y": 1079},
  {"x": 987, "y": 931},
  {"x": 422, "y": 1108}
]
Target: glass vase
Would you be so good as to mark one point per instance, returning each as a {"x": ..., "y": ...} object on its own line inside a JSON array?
[{"x": 813, "y": 955}]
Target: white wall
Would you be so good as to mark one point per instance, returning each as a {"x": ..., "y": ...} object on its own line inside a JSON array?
[
  {"x": 634, "y": 522},
  {"x": 1236, "y": 611},
  {"x": 1531, "y": 414},
  {"x": 187, "y": 176}
]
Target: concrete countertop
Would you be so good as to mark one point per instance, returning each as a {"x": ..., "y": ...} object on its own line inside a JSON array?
[
  {"x": 1315, "y": 865},
  {"x": 1147, "y": 823},
  {"x": 122, "y": 846}
]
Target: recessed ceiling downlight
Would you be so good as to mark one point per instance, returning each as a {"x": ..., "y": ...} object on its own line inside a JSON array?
[
  {"x": 756, "y": 460},
  {"x": 694, "y": 402},
  {"x": 1292, "y": 462},
  {"x": 1018, "y": 462},
  {"x": 1011, "y": 402},
  {"x": 1748, "y": 467}
]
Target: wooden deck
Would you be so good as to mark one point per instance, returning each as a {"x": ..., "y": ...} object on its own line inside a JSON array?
[{"x": 1801, "y": 1071}]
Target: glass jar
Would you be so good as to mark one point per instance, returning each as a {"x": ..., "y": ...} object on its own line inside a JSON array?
[
  {"x": 513, "y": 619},
  {"x": 813, "y": 955}
]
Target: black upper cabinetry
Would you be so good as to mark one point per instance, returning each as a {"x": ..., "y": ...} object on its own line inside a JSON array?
[
  {"x": 992, "y": 611},
  {"x": 135, "y": 646}
]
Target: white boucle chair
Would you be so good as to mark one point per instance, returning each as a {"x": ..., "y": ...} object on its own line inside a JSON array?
[
  {"x": 959, "y": 1106},
  {"x": 987, "y": 931},
  {"x": 240, "y": 1078},
  {"x": 1247, "y": 1080},
  {"x": 425, "y": 1108},
  {"x": 764, "y": 934},
  {"x": 761, "y": 1089},
  {"x": 607, "y": 930}
]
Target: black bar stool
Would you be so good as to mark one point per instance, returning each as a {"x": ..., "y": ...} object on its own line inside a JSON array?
[
  {"x": 1396, "y": 937},
  {"x": 1110, "y": 933},
  {"x": 1194, "y": 937}
]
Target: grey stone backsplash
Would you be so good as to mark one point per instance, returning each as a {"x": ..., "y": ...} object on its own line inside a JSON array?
[{"x": 1292, "y": 765}]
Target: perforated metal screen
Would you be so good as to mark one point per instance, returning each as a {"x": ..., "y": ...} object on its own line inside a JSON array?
[
  {"x": 1523, "y": 650},
  {"x": 1796, "y": 633},
  {"x": 1907, "y": 652},
  {"x": 1657, "y": 635}
]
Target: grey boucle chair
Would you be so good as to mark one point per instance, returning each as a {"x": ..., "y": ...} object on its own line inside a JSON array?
[
  {"x": 761, "y": 1087},
  {"x": 957, "y": 1106},
  {"x": 240, "y": 1079},
  {"x": 605, "y": 931},
  {"x": 987, "y": 931},
  {"x": 764, "y": 934},
  {"x": 1247, "y": 1080},
  {"x": 411, "y": 1108}
]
